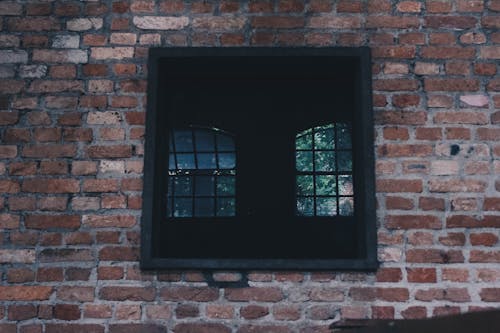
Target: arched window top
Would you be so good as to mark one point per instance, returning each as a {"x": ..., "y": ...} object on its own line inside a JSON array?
[
  {"x": 195, "y": 148},
  {"x": 202, "y": 169},
  {"x": 323, "y": 162}
]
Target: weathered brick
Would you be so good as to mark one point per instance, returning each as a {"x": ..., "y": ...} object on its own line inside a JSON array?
[
  {"x": 203, "y": 328},
  {"x": 413, "y": 222},
  {"x": 74, "y": 328},
  {"x": 51, "y": 185},
  {"x": 52, "y": 221},
  {"x": 160, "y": 22},
  {"x": 25, "y": 293},
  {"x": 125, "y": 293},
  {"x": 268, "y": 294}
]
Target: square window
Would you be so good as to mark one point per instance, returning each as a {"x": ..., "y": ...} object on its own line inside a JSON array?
[{"x": 259, "y": 158}]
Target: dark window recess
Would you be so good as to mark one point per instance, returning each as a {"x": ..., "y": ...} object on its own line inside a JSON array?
[{"x": 259, "y": 158}]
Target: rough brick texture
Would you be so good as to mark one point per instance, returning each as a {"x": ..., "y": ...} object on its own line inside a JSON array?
[{"x": 72, "y": 103}]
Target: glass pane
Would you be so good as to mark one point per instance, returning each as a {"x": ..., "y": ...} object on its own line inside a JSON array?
[
  {"x": 326, "y": 185},
  {"x": 169, "y": 186},
  {"x": 185, "y": 161},
  {"x": 345, "y": 185},
  {"x": 204, "y": 186},
  {"x": 183, "y": 140},
  {"x": 183, "y": 207},
  {"x": 324, "y": 137},
  {"x": 345, "y": 160},
  {"x": 183, "y": 186},
  {"x": 225, "y": 185},
  {"x": 206, "y": 161},
  {"x": 204, "y": 140},
  {"x": 226, "y": 207},
  {"x": 227, "y": 160},
  {"x": 344, "y": 136},
  {"x": 169, "y": 208},
  {"x": 171, "y": 162},
  {"x": 325, "y": 160},
  {"x": 305, "y": 185},
  {"x": 326, "y": 206},
  {"x": 303, "y": 160},
  {"x": 303, "y": 142},
  {"x": 346, "y": 206},
  {"x": 305, "y": 206},
  {"x": 225, "y": 142},
  {"x": 204, "y": 207}
]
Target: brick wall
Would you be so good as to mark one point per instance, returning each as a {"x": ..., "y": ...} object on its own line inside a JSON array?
[{"x": 72, "y": 101}]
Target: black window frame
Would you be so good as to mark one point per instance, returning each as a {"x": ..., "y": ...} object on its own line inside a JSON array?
[{"x": 364, "y": 254}]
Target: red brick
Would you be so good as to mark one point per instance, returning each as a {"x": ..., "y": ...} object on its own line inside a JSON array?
[
  {"x": 16, "y": 135},
  {"x": 453, "y": 239},
  {"x": 78, "y": 274},
  {"x": 421, "y": 275},
  {"x": 260, "y": 294},
  {"x": 451, "y": 84},
  {"x": 51, "y": 185},
  {"x": 74, "y": 328},
  {"x": 400, "y": 117},
  {"x": 97, "y": 311},
  {"x": 75, "y": 293},
  {"x": 8, "y": 151},
  {"x": 429, "y": 203},
  {"x": 399, "y": 185},
  {"x": 456, "y": 185},
  {"x": 9, "y": 221},
  {"x": 485, "y": 69},
  {"x": 401, "y": 150},
  {"x": 107, "y": 221},
  {"x": 398, "y": 203},
  {"x": 49, "y": 274},
  {"x": 25, "y": 293},
  {"x": 392, "y": 22},
  {"x": 277, "y": 22},
  {"x": 119, "y": 253},
  {"x": 414, "y": 312},
  {"x": 490, "y": 294},
  {"x": 389, "y": 275},
  {"x": 434, "y": 256},
  {"x": 426, "y": 133},
  {"x": 395, "y": 85},
  {"x": 100, "y": 185},
  {"x": 123, "y": 293},
  {"x": 405, "y": 100},
  {"x": 33, "y": 24},
  {"x": 413, "y": 222},
  {"x": 379, "y": 6},
  {"x": 22, "y": 203},
  {"x": 490, "y": 22},
  {"x": 442, "y": 38},
  {"x": 204, "y": 328},
  {"x": 253, "y": 311},
  {"x": 196, "y": 294},
  {"x": 22, "y": 312},
  {"x": 450, "y": 22},
  {"x": 20, "y": 275},
  {"x": 114, "y": 151},
  {"x": 110, "y": 273},
  {"x": 455, "y": 274},
  {"x": 484, "y": 239},
  {"x": 64, "y": 255},
  {"x": 449, "y": 52},
  {"x": 49, "y": 151}
]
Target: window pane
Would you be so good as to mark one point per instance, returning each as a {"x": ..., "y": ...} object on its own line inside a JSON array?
[
  {"x": 183, "y": 186},
  {"x": 171, "y": 162},
  {"x": 346, "y": 206},
  {"x": 345, "y": 185},
  {"x": 303, "y": 142},
  {"x": 183, "y": 140},
  {"x": 206, "y": 161},
  {"x": 204, "y": 186},
  {"x": 305, "y": 206},
  {"x": 345, "y": 161},
  {"x": 305, "y": 185},
  {"x": 226, "y": 186},
  {"x": 325, "y": 160},
  {"x": 185, "y": 161},
  {"x": 344, "y": 136},
  {"x": 326, "y": 185},
  {"x": 225, "y": 207},
  {"x": 204, "y": 207},
  {"x": 169, "y": 186},
  {"x": 227, "y": 161},
  {"x": 324, "y": 137},
  {"x": 183, "y": 207},
  {"x": 326, "y": 206},
  {"x": 205, "y": 140},
  {"x": 304, "y": 160},
  {"x": 225, "y": 142}
]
